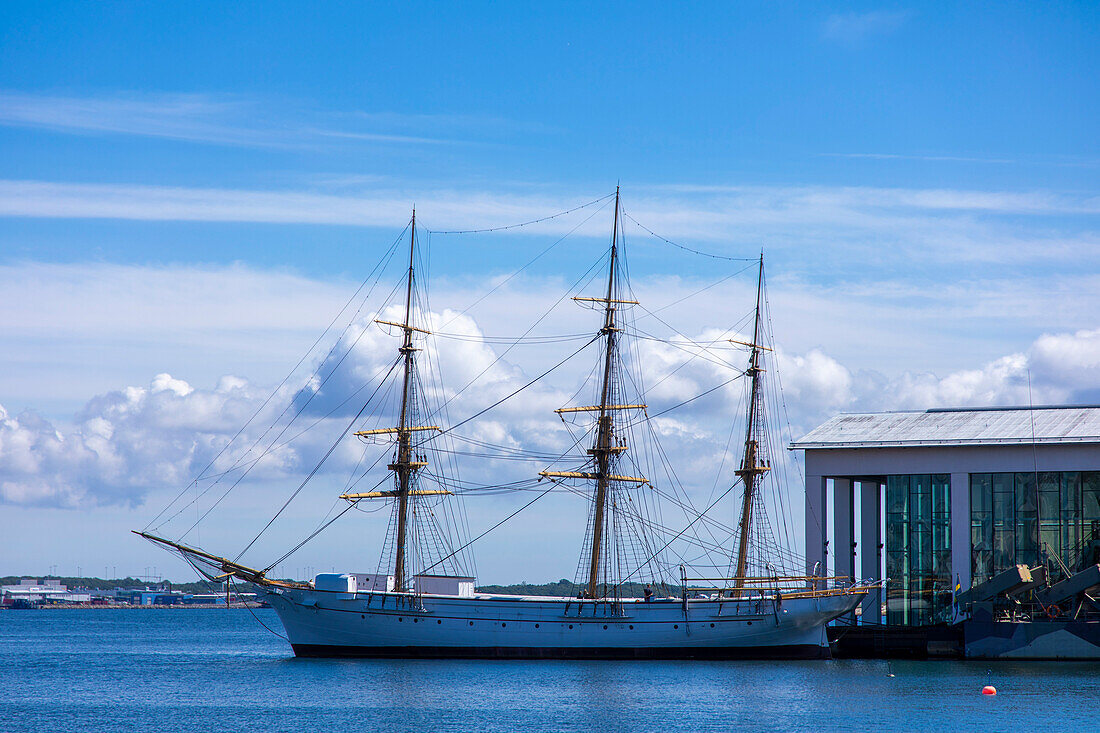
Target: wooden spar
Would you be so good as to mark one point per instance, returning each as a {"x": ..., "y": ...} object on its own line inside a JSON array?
[
  {"x": 227, "y": 566},
  {"x": 392, "y": 431},
  {"x": 595, "y": 476},
  {"x": 746, "y": 343},
  {"x": 400, "y": 325},
  {"x": 602, "y": 453},
  {"x": 750, "y": 470},
  {"x": 598, "y": 408},
  {"x": 380, "y": 494},
  {"x": 402, "y": 466},
  {"x": 605, "y": 300}
]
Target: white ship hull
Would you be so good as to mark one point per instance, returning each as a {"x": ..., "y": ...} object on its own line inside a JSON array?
[{"x": 332, "y": 624}]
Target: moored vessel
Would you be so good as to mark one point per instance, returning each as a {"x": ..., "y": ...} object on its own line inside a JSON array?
[{"x": 630, "y": 599}]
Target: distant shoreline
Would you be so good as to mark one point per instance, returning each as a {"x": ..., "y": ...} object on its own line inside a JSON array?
[{"x": 135, "y": 607}]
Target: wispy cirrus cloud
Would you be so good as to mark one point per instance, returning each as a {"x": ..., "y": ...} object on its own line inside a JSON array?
[
  {"x": 931, "y": 158},
  {"x": 821, "y": 224},
  {"x": 855, "y": 27},
  {"x": 453, "y": 207},
  {"x": 206, "y": 118}
]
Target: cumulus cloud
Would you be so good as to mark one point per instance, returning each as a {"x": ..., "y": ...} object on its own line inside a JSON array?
[
  {"x": 125, "y": 443},
  {"x": 122, "y": 443},
  {"x": 1056, "y": 369}
]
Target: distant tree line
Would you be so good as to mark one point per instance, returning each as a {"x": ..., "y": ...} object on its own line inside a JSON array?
[{"x": 201, "y": 586}]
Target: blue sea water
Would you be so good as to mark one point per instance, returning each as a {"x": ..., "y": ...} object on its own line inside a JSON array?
[{"x": 219, "y": 670}]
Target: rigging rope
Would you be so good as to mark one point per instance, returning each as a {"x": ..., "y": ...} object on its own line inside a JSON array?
[
  {"x": 688, "y": 249},
  {"x": 516, "y": 392},
  {"x": 316, "y": 468},
  {"x": 317, "y": 531},
  {"x": 381, "y": 264},
  {"x": 524, "y": 224},
  {"x": 685, "y": 529},
  {"x": 475, "y": 539}
]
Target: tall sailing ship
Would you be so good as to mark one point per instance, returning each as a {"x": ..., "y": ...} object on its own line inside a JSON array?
[{"x": 628, "y": 599}]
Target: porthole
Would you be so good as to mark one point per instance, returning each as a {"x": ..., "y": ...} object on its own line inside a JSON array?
[
  {"x": 712, "y": 626},
  {"x": 362, "y": 615},
  {"x": 536, "y": 626},
  {"x": 416, "y": 621},
  {"x": 503, "y": 625},
  {"x": 750, "y": 623},
  {"x": 676, "y": 626},
  {"x": 399, "y": 619},
  {"x": 471, "y": 623},
  {"x": 605, "y": 626},
  {"x": 439, "y": 620},
  {"x": 631, "y": 627},
  {"x": 570, "y": 625}
]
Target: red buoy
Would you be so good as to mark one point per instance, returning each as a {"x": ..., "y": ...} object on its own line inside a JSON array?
[{"x": 989, "y": 690}]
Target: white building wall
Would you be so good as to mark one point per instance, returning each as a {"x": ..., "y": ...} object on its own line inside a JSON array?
[{"x": 958, "y": 461}]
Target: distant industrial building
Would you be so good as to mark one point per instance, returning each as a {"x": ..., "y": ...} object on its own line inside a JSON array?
[
  {"x": 945, "y": 501},
  {"x": 33, "y": 592}
]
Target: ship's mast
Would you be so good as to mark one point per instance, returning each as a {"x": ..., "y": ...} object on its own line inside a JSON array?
[
  {"x": 406, "y": 464},
  {"x": 404, "y": 467},
  {"x": 604, "y": 449},
  {"x": 751, "y": 467}
]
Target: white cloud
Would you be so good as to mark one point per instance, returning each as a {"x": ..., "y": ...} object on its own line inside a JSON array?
[
  {"x": 853, "y": 27},
  {"x": 815, "y": 228},
  {"x": 122, "y": 443},
  {"x": 816, "y": 382},
  {"x": 1059, "y": 368},
  {"x": 1069, "y": 363},
  {"x": 200, "y": 118},
  {"x": 64, "y": 327},
  {"x": 126, "y": 443},
  {"x": 866, "y": 346}
]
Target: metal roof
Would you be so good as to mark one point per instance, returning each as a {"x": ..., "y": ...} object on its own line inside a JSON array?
[{"x": 948, "y": 427}]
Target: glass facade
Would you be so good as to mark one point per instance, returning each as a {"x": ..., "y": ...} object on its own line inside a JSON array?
[
  {"x": 1020, "y": 518},
  {"x": 918, "y": 549}
]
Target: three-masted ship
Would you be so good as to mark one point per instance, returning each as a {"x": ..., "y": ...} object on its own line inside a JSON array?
[{"x": 621, "y": 606}]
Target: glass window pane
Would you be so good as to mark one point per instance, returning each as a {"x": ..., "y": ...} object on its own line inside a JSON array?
[
  {"x": 981, "y": 533},
  {"x": 895, "y": 536},
  {"x": 1049, "y": 505},
  {"x": 897, "y": 494},
  {"x": 941, "y": 494},
  {"x": 981, "y": 492},
  {"x": 920, "y": 505},
  {"x": 1071, "y": 492},
  {"x": 981, "y": 566},
  {"x": 1004, "y": 508},
  {"x": 1004, "y": 550},
  {"x": 1090, "y": 495},
  {"x": 1027, "y": 535},
  {"x": 1051, "y": 537},
  {"x": 1025, "y": 492}
]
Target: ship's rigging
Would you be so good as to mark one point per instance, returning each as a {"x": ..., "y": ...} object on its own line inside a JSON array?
[{"x": 625, "y": 477}]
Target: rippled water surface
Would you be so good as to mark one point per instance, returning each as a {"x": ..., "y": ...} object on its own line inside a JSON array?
[{"x": 206, "y": 670}]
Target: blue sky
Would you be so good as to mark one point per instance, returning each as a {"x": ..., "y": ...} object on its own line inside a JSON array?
[{"x": 194, "y": 190}]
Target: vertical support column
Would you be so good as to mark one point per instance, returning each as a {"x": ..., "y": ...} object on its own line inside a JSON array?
[
  {"x": 815, "y": 524},
  {"x": 870, "y": 549},
  {"x": 960, "y": 529},
  {"x": 843, "y": 527}
]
